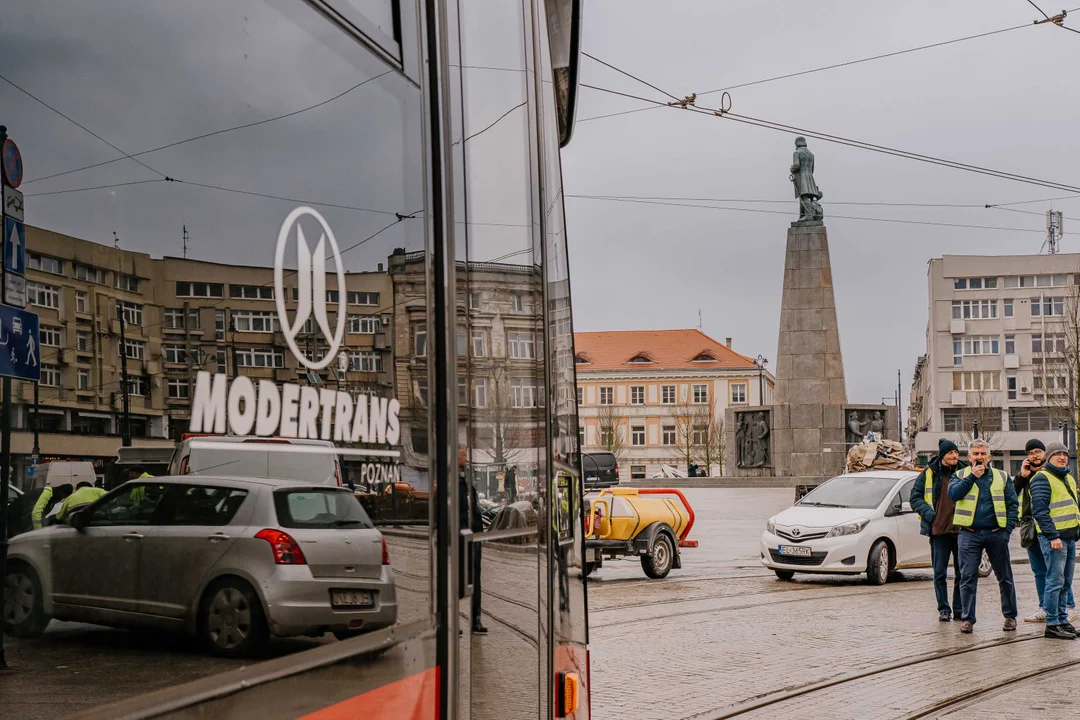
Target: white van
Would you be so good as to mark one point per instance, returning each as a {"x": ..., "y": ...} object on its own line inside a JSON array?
[
  {"x": 256, "y": 457},
  {"x": 61, "y": 472}
]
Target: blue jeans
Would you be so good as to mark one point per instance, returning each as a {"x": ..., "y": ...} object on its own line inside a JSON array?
[
  {"x": 1038, "y": 568},
  {"x": 971, "y": 546},
  {"x": 942, "y": 548},
  {"x": 1059, "y": 577}
]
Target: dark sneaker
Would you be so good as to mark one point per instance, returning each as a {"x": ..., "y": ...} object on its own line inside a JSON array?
[
  {"x": 1010, "y": 625},
  {"x": 969, "y": 627},
  {"x": 1058, "y": 632},
  {"x": 945, "y": 616},
  {"x": 1069, "y": 626}
]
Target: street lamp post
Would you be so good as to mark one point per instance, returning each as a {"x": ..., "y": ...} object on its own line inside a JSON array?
[{"x": 761, "y": 363}]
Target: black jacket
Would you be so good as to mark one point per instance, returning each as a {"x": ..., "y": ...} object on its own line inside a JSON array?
[{"x": 941, "y": 481}]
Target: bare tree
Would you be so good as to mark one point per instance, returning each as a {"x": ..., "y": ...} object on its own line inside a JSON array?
[
  {"x": 610, "y": 428},
  {"x": 709, "y": 426},
  {"x": 499, "y": 424},
  {"x": 1056, "y": 354},
  {"x": 688, "y": 431},
  {"x": 984, "y": 408}
]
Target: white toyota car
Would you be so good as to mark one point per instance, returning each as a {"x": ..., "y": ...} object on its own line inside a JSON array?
[{"x": 850, "y": 524}]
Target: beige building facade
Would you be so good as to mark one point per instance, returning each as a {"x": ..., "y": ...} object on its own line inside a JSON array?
[
  {"x": 647, "y": 383},
  {"x": 997, "y": 349}
]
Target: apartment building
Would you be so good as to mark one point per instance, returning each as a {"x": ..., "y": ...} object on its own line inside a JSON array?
[
  {"x": 999, "y": 340},
  {"x": 639, "y": 384},
  {"x": 179, "y": 316}
]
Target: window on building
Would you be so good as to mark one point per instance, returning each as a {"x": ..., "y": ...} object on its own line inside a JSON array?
[
  {"x": 133, "y": 312},
  {"x": 260, "y": 357},
  {"x": 129, "y": 283},
  {"x": 1051, "y": 344},
  {"x": 1010, "y": 386},
  {"x": 981, "y": 345},
  {"x": 607, "y": 395},
  {"x": 963, "y": 419},
  {"x": 219, "y": 324},
  {"x": 365, "y": 361},
  {"x": 1031, "y": 419},
  {"x": 979, "y": 283},
  {"x": 44, "y": 263},
  {"x": 251, "y": 292},
  {"x": 200, "y": 289},
  {"x": 1048, "y": 306},
  {"x": 480, "y": 392},
  {"x": 701, "y": 394},
  {"x": 50, "y": 375},
  {"x": 88, "y": 273},
  {"x": 738, "y": 393},
  {"x": 364, "y": 324},
  {"x": 333, "y": 296},
  {"x": 42, "y": 295},
  {"x": 50, "y": 336},
  {"x": 262, "y": 321},
  {"x": 479, "y": 343},
  {"x": 668, "y": 436},
  {"x": 462, "y": 342},
  {"x": 137, "y": 386},
  {"x": 974, "y": 309},
  {"x": 462, "y": 391},
  {"x": 135, "y": 350},
  {"x": 178, "y": 354},
  {"x": 81, "y": 302},
  {"x": 580, "y": 396},
  {"x": 474, "y": 301},
  {"x": 637, "y": 472},
  {"x": 363, "y": 298},
  {"x": 517, "y": 301},
  {"x": 975, "y": 381},
  {"x": 174, "y": 319},
  {"x": 178, "y": 389},
  {"x": 958, "y": 351},
  {"x": 637, "y": 394},
  {"x": 667, "y": 394},
  {"x": 698, "y": 435},
  {"x": 522, "y": 345},
  {"x": 523, "y": 393},
  {"x": 637, "y": 435},
  {"x": 83, "y": 341},
  {"x": 1010, "y": 344},
  {"x": 420, "y": 340},
  {"x": 222, "y": 360},
  {"x": 422, "y": 391},
  {"x": 1007, "y": 307},
  {"x": 84, "y": 379}
]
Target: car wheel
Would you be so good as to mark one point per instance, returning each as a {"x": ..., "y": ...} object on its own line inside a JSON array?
[
  {"x": 658, "y": 563},
  {"x": 23, "y": 613},
  {"x": 879, "y": 564},
  {"x": 984, "y": 566},
  {"x": 231, "y": 619},
  {"x": 785, "y": 574}
]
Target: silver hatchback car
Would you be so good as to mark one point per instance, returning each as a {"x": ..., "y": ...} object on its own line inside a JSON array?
[{"x": 230, "y": 560}]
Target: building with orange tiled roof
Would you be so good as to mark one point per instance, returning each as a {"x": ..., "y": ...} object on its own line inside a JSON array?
[{"x": 663, "y": 392}]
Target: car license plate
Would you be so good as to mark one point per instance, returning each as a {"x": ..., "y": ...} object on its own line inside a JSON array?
[
  {"x": 795, "y": 550},
  {"x": 351, "y": 598},
  {"x": 592, "y": 478}
]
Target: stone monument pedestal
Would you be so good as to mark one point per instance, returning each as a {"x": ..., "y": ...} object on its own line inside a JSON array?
[{"x": 808, "y": 422}]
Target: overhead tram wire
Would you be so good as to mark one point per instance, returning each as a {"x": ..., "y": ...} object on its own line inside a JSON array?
[
  {"x": 830, "y": 67},
  {"x": 203, "y": 136},
  {"x": 784, "y": 202},
  {"x": 839, "y": 217},
  {"x": 633, "y": 77},
  {"x": 839, "y": 140}
]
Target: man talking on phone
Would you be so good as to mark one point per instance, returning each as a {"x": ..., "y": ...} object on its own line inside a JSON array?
[{"x": 986, "y": 514}]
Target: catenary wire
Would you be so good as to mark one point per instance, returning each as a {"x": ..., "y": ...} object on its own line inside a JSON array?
[
  {"x": 204, "y": 135},
  {"x": 633, "y": 77}
]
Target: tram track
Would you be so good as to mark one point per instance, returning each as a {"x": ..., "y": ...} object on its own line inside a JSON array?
[
  {"x": 778, "y": 698},
  {"x": 961, "y": 699}
]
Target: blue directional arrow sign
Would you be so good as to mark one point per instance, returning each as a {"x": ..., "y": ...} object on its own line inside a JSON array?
[
  {"x": 20, "y": 348},
  {"x": 14, "y": 246}
]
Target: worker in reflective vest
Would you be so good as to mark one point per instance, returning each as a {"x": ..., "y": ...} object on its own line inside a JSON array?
[
  {"x": 930, "y": 498},
  {"x": 986, "y": 514},
  {"x": 1057, "y": 521}
]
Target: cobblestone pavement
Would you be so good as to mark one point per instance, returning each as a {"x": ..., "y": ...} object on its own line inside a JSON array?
[{"x": 724, "y": 633}]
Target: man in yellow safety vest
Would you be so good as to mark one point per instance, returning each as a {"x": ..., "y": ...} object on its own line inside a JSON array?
[
  {"x": 986, "y": 514},
  {"x": 1057, "y": 522}
]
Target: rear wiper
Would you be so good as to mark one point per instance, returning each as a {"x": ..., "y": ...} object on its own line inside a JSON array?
[{"x": 343, "y": 523}]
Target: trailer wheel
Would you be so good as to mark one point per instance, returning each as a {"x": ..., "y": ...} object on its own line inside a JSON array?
[{"x": 658, "y": 563}]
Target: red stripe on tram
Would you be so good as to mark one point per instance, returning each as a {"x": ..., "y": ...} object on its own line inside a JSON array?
[{"x": 413, "y": 698}]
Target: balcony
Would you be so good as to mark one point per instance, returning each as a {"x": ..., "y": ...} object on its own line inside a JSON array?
[{"x": 956, "y": 327}]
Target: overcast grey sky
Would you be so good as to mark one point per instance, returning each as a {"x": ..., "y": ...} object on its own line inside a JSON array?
[{"x": 1008, "y": 101}]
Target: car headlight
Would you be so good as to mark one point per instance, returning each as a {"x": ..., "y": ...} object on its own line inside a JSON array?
[
  {"x": 770, "y": 526},
  {"x": 850, "y": 528}
]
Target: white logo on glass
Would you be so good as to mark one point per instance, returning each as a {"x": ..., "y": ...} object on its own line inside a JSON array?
[{"x": 310, "y": 286}]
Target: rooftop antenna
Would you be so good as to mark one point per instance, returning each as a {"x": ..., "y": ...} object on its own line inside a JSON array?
[
  {"x": 115, "y": 240},
  {"x": 185, "y": 240},
  {"x": 1054, "y": 231},
  {"x": 699, "y": 318}
]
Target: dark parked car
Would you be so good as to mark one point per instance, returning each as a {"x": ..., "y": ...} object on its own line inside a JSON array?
[{"x": 600, "y": 470}]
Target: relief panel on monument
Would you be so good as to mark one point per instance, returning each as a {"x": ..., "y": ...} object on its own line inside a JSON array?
[
  {"x": 859, "y": 423},
  {"x": 752, "y": 439}
]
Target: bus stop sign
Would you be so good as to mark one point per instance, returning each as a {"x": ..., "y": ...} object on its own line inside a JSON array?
[{"x": 20, "y": 350}]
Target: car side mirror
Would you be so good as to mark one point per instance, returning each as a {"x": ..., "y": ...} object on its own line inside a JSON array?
[
  {"x": 78, "y": 519},
  {"x": 905, "y": 507}
]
